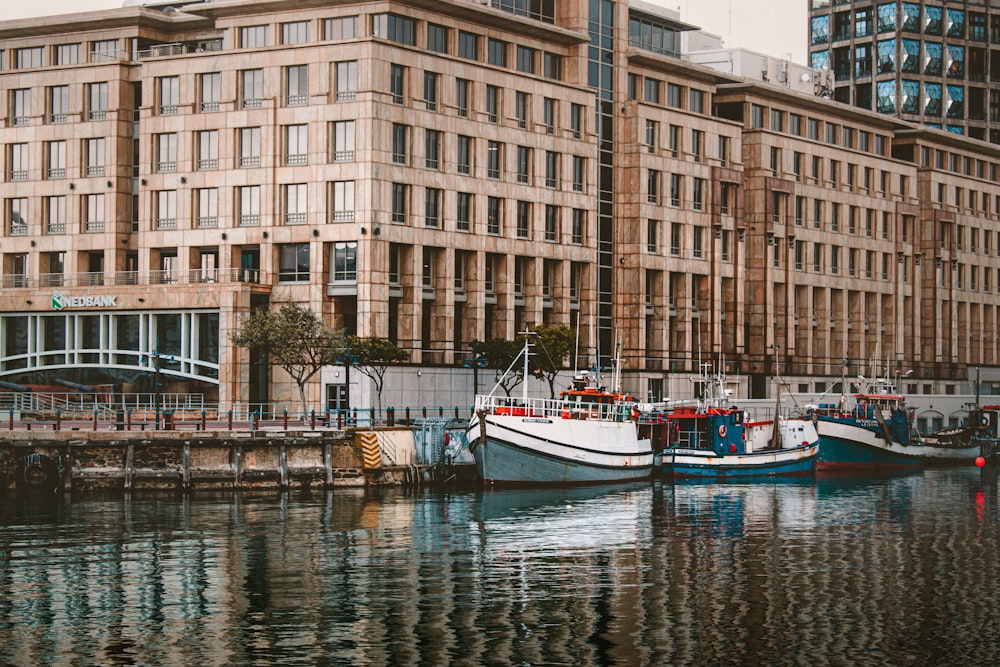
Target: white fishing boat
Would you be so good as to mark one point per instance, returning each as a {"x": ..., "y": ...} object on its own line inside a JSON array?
[{"x": 589, "y": 435}]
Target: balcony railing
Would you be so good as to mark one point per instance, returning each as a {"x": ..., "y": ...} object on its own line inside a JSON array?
[{"x": 123, "y": 278}]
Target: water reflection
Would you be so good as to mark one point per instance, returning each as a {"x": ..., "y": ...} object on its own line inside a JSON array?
[{"x": 828, "y": 571}]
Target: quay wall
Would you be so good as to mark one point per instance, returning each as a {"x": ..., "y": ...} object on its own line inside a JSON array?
[{"x": 192, "y": 460}]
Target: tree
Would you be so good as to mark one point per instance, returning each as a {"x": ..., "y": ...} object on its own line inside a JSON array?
[
  {"x": 373, "y": 356},
  {"x": 294, "y": 338},
  {"x": 555, "y": 345},
  {"x": 499, "y": 354}
]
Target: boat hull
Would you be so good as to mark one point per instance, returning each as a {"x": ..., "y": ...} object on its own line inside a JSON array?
[
  {"x": 846, "y": 445},
  {"x": 699, "y": 463},
  {"x": 540, "y": 451}
]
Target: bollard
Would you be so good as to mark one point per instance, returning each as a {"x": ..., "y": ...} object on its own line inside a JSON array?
[
  {"x": 456, "y": 412},
  {"x": 340, "y": 419},
  {"x": 407, "y": 414},
  {"x": 203, "y": 419},
  {"x": 95, "y": 419},
  {"x": 440, "y": 411},
  {"x": 312, "y": 420},
  {"x": 10, "y": 414},
  {"x": 230, "y": 420},
  {"x": 254, "y": 421},
  {"x": 285, "y": 419},
  {"x": 423, "y": 412},
  {"x": 390, "y": 416},
  {"x": 354, "y": 417},
  {"x": 58, "y": 419},
  {"x": 128, "y": 420}
]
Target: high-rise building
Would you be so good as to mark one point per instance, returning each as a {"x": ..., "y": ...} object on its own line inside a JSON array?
[
  {"x": 437, "y": 173},
  {"x": 935, "y": 62}
]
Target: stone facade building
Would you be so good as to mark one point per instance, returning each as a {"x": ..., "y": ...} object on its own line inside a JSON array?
[{"x": 441, "y": 172}]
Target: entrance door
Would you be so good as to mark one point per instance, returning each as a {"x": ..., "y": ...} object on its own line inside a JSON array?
[{"x": 338, "y": 397}]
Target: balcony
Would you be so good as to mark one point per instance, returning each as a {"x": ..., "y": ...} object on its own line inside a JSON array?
[{"x": 127, "y": 278}]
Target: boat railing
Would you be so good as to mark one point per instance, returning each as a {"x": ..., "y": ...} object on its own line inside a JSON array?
[{"x": 548, "y": 408}]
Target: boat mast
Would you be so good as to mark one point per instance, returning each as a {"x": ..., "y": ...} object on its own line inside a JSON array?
[{"x": 527, "y": 354}]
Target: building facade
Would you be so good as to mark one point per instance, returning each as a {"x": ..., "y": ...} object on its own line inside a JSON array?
[
  {"x": 934, "y": 63},
  {"x": 437, "y": 173}
]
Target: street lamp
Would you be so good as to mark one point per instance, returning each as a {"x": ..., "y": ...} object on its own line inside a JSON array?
[
  {"x": 158, "y": 360},
  {"x": 475, "y": 362}
]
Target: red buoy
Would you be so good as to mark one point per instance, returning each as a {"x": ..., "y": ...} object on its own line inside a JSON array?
[{"x": 980, "y": 461}]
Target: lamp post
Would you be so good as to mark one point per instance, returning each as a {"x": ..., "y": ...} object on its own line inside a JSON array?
[
  {"x": 158, "y": 360},
  {"x": 475, "y": 362}
]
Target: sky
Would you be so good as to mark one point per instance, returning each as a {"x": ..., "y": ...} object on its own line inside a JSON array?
[{"x": 773, "y": 27}]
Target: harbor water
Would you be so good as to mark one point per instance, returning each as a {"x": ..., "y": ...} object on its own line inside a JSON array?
[{"x": 831, "y": 571}]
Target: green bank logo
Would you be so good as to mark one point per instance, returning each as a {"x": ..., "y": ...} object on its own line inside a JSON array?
[{"x": 62, "y": 302}]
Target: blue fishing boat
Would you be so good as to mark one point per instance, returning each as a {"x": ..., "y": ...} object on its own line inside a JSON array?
[
  {"x": 872, "y": 432},
  {"x": 710, "y": 439}
]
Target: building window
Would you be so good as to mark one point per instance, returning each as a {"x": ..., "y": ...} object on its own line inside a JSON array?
[
  {"x": 253, "y": 36},
  {"x": 343, "y": 141},
  {"x": 674, "y": 140},
  {"x": 93, "y": 213},
  {"x": 249, "y": 147},
  {"x": 468, "y": 45},
  {"x": 576, "y": 120},
  {"x": 97, "y": 100},
  {"x": 494, "y": 214},
  {"x": 293, "y": 262},
  {"x": 210, "y": 91},
  {"x": 653, "y": 186},
  {"x": 55, "y": 213},
  {"x": 296, "y": 32},
  {"x": 207, "y": 201},
  {"x": 397, "y": 83},
  {"x": 463, "y": 159},
  {"x": 437, "y": 38},
  {"x": 166, "y": 209},
  {"x": 169, "y": 90},
  {"x": 676, "y": 186},
  {"x": 579, "y": 169},
  {"x": 551, "y": 169},
  {"x": 651, "y": 90},
  {"x": 696, "y": 101},
  {"x": 17, "y": 216},
  {"x": 345, "y": 261},
  {"x": 496, "y": 52},
  {"x": 523, "y": 164},
  {"x": 432, "y": 207},
  {"x": 493, "y": 159},
  {"x": 579, "y": 226},
  {"x": 345, "y": 27},
  {"x": 675, "y": 238},
  {"x": 347, "y": 80},
  {"x": 208, "y": 149},
  {"x": 492, "y": 103},
  {"x": 28, "y": 57},
  {"x": 66, "y": 54},
  {"x": 430, "y": 90},
  {"x": 252, "y": 88},
  {"x": 248, "y": 205},
  {"x": 549, "y": 115},
  {"x": 523, "y": 222},
  {"x": 462, "y": 97},
  {"x": 697, "y": 247},
  {"x": 296, "y": 203},
  {"x": 463, "y": 212},
  {"x": 673, "y": 96},
  {"x": 652, "y": 130},
  {"x": 525, "y": 59},
  {"x": 551, "y": 222},
  {"x": 400, "y": 196},
  {"x": 94, "y": 156},
  {"x": 56, "y": 157},
  {"x": 399, "y": 29},
  {"x": 552, "y": 66},
  {"x": 343, "y": 201},
  {"x": 521, "y": 109},
  {"x": 58, "y": 104},
  {"x": 697, "y": 144},
  {"x": 399, "y": 151},
  {"x": 20, "y": 106},
  {"x": 297, "y": 85},
  {"x": 698, "y": 194},
  {"x": 296, "y": 144},
  {"x": 166, "y": 153}
]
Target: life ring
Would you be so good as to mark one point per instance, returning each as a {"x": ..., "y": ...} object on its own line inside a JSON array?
[{"x": 722, "y": 431}]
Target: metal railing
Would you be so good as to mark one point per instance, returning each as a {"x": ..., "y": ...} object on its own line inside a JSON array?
[{"x": 117, "y": 278}]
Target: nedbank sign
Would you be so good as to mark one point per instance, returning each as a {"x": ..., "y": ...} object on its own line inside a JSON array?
[{"x": 62, "y": 302}]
